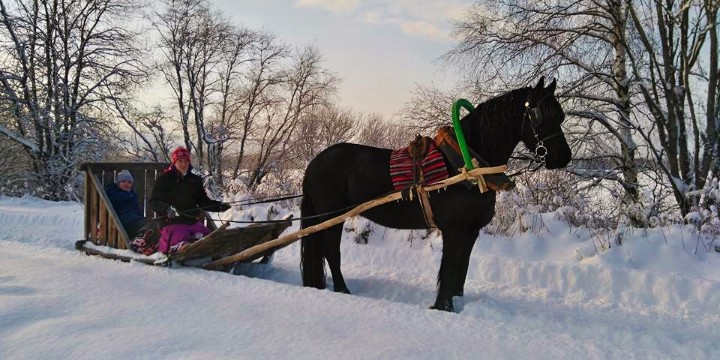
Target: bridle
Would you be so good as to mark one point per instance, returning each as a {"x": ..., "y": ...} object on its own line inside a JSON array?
[{"x": 534, "y": 115}]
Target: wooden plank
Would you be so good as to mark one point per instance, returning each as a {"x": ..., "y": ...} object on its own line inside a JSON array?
[
  {"x": 151, "y": 176},
  {"x": 88, "y": 205},
  {"x": 113, "y": 166},
  {"x": 106, "y": 177},
  {"x": 94, "y": 211},
  {"x": 110, "y": 226},
  {"x": 102, "y": 236},
  {"x": 113, "y": 234},
  {"x": 139, "y": 184}
]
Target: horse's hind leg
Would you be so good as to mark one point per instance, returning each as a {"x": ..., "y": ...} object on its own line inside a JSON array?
[
  {"x": 312, "y": 248},
  {"x": 333, "y": 236}
]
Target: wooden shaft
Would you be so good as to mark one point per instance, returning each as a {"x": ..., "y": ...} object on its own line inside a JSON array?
[{"x": 297, "y": 235}]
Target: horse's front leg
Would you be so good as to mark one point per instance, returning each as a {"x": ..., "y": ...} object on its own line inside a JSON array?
[
  {"x": 465, "y": 262},
  {"x": 450, "y": 264}
]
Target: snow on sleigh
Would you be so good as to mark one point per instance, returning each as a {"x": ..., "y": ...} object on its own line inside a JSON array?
[{"x": 106, "y": 237}]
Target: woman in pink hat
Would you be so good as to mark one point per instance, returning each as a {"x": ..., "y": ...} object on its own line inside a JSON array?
[{"x": 179, "y": 195}]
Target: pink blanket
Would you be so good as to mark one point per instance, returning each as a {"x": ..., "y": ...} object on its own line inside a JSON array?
[{"x": 172, "y": 235}]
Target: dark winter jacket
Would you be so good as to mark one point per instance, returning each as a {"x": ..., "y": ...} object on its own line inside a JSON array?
[
  {"x": 185, "y": 193},
  {"x": 126, "y": 204}
]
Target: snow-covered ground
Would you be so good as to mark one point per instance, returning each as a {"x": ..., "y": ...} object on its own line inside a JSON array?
[{"x": 534, "y": 296}]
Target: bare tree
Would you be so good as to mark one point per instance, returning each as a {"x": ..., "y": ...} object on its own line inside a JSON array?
[
  {"x": 239, "y": 93},
  {"x": 578, "y": 40},
  {"x": 373, "y": 130},
  {"x": 174, "y": 27},
  {"x": 429, "y": 108},
  {"x": 203, "y": 56},
  {"x": 306, "y": 85},
  {"x": 227, "y": 125},
  {"x": 150, "y": 136},
  {"x": 63, "y": 61},
  {"x": 319, "y": 129},
  {"x": 193, "y": 40},
  {"x": 258, "y": 84}
]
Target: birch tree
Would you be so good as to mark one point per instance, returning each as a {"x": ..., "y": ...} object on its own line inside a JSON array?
[
  {"x": 597, "y": 49},
  {"x": 675, "y": 68}
]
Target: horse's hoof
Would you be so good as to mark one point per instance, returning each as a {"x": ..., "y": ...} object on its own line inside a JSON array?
[
  {"x": 343, "y": 290},
  {"x": 445, "y": 307}
]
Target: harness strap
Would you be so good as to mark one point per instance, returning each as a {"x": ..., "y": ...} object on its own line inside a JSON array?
[{"x": 425, "y": 206}]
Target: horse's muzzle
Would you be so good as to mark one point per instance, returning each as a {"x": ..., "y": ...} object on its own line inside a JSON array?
[{"x": 557, "y": 161}]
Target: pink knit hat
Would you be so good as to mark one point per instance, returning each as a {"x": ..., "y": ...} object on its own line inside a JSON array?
[{"x": 180, "y": 153}]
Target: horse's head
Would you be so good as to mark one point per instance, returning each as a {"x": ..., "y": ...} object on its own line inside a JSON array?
[{"x": 541, "y": 131}]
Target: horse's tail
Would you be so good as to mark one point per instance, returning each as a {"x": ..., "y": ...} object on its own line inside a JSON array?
[{"x": 312, "y": 259}]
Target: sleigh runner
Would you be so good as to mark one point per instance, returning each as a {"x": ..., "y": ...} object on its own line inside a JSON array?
[{"x": 106, "y": 237}]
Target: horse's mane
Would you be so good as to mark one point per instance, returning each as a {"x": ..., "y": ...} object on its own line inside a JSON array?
[{"x": 491, "y": 129}]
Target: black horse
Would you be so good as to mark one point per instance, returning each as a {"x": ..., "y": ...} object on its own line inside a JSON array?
[{"x": 346, "y": 174}]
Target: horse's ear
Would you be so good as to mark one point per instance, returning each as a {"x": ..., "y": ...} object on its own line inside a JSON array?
[
  {"x": 541, "y": 83},
  {"x": 551, "y": 87}
]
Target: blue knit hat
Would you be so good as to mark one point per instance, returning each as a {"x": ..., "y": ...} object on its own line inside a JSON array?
[{"x": 123, "y": 176}]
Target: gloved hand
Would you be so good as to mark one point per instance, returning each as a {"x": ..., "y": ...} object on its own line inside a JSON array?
[
  {"x": 172, "y": 212},
  {"x": 224, "y": 207}
]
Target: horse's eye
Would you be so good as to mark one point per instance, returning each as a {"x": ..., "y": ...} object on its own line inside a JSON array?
[{"x": 536, "y": 117}]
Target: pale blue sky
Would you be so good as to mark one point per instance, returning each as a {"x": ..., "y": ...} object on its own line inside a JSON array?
[{"x": 380, "y": 48}]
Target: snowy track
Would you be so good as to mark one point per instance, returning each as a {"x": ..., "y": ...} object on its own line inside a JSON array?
[{"x": 56, "y": 303}]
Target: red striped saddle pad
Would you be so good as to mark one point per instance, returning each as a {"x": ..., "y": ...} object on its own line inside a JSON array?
[{"x": 402, "y": 169}]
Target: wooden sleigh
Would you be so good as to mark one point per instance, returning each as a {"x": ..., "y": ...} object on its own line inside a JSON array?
[{"x": 106, "y": 237}]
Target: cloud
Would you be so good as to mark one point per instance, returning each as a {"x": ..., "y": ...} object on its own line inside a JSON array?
[
  {"x": 424, "y": 29},
  {"x": 371, "y": 17},
  {"x": 330, "y": 5},
  {"x": 421, "y": 18}
]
